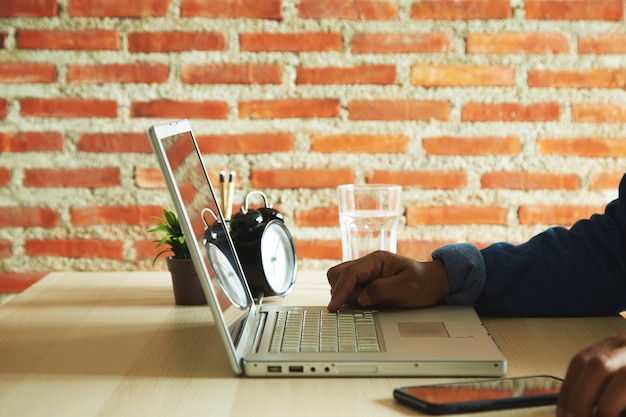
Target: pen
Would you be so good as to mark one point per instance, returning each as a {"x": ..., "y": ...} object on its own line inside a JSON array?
[
  {"x": 223, "y": 190},
  {"x": 231, "y": 192}
]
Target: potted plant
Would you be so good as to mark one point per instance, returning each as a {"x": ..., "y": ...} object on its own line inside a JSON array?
[{"x": 187, "y": 288}]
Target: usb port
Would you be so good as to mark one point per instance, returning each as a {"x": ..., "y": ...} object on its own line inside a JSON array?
[
  {"x": 296, "y": 369},
  {"x": 274, "y": 368}
]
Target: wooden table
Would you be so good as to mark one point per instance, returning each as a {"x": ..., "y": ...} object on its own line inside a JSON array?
[{"x": 114, "y": 344}]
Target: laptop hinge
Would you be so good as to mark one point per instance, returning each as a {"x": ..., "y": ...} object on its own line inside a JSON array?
[
  {"x": 259, "y": 331},
  {"x": 259, "y": 299}
]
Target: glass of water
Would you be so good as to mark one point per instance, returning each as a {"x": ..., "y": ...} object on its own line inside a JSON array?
[{"x": 369, "y": 216}]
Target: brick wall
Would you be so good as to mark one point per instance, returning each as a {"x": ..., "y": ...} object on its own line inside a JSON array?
[{"x": 499, "y": 117}]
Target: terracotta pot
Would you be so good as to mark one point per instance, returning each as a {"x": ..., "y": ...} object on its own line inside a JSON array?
[{"x": 187, "y": 288}]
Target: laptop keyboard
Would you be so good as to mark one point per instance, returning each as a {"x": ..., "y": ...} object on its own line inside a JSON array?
[{"x": 321, "y": 331}]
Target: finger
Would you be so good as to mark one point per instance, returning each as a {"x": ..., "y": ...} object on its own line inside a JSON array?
[
  {"x": 612, "y": 402},
  {"x": 588, "y": 386},
  {"x": 574, "y": 370},
  {"x": 588, "y": 373},
  {"x": 346, "y": 278},
  {"x": 333, "y": 273},
  {"x": 342, "y": 290},
  {"x": 574, "y": 379}
]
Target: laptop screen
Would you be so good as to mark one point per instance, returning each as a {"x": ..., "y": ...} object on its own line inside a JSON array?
[{"x": 202, "y": 211}]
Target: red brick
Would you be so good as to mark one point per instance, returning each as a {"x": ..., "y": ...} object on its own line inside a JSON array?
[
  {"x": 31, "y": 141},
  {"x": 511, "y": 112},
  {"x": 5, "y": 176},
  {"x": 180, "y": 109},
  {"x": 145, "y": 250},
  {"x": 288, "y": 108},
  {"x": 252, "y": 9},
  {"x": 456, "y": 215},
  {"x": 517, "y": 43},
  {"x": 105, "y": 8},
  {"x": 27, "y": 72},
  {"x": 6, "y": 251},
  {"x": 435, "y": 180},
  {"x": 318, "y": 249},
  {"x": 68, "y": 107},
  {"x": 68, "y": 40},
  {"x": 486, "y": 145},
  {"x": 28, "y": 217},
  {"x": 594, "y": 78},
  {"x": 350, "y": 10},
  {"x": 598, "y": 113},
  {"x": 232, "y": 74},
  {"x": 361, "y": 74},
  {"x": 574, "y": 9},
  {"x": 300, "y": 178},
  {"x": 247, "y": 143},
  {"x": 396, "y": 43},
  {"x": 175, "y": 41},
  {"x": 596, "y": 147},
  {"x": 4, "y": 108},
  {"x": 461, "y": 9},
  {"x": 359, "y": 143},
  {"x": 398, "y": 110},
  {"x": 290, "y": 42},
  {"x": 605, "y": 180},
  {"x": 28, "y": 8},
  {"x": 555, "y": 215},
  {"x": 75, "y": 248},
  {"x": 118, "y": 73},
  {"x": 150, "y": 178},
  {"x": 460, "y": 75},
  {"x": 72, "y": 177},
  {"x": 317, "y": 217},
  {"x": 127, "y": 215},
  {"x": 530, "y": 181},
  {"x": 114, "y": 143},
  {"x": 613, "y": 43},
  {"x": 14, "y": 282}
]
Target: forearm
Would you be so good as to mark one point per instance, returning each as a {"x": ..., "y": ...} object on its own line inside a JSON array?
[{"x": 560, "y": 272}]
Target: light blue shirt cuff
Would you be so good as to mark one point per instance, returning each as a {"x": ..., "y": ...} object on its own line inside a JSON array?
[{"x": 466, "y": 272}]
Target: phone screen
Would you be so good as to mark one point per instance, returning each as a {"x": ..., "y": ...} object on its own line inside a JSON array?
[{"x": 481, "y": 395}]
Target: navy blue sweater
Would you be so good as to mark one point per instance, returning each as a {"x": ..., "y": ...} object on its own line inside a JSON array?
[{"x": 580, "y": 271}]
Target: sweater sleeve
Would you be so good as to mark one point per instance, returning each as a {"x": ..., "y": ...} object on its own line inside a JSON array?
[
  {"x": 580, "y": 271},
  {"x": 466, "y": 272}
]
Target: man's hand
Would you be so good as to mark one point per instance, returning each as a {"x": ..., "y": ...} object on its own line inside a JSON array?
[
  {"x": 595, "y": 384},
  {"x": 383, "y": 278}
]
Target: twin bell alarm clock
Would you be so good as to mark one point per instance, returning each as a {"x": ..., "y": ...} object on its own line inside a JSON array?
[{"x": 264, "y": 247}]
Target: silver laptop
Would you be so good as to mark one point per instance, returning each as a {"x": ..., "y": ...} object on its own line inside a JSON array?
[{"x": 436, "y": 341}]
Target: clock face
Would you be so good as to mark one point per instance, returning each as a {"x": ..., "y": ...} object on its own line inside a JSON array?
[
  {"x": 227, "y": 276},
  {"x": 278, "y": 257}
]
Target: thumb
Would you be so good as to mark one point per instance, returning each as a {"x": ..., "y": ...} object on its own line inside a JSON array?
[{"x": 364, "y": 298}]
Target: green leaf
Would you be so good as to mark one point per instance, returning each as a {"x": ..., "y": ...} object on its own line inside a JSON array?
[{"x": 169, "y": 226}]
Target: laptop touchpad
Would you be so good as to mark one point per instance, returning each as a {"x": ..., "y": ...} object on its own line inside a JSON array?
[
  {"x": 452, "y": 329},
  {"x": 422, "y": 329},
  {"x": 458, "y": 329}
]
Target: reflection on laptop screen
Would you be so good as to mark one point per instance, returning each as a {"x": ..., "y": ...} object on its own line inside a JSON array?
[{"x": 202, "y": 211}]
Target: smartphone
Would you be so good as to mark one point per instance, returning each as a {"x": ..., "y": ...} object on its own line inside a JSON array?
[{"x": 481, "y": 395}]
